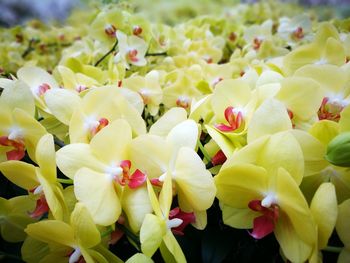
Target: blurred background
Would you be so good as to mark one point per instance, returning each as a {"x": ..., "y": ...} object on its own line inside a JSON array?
[{"x": 14, "y": 12}]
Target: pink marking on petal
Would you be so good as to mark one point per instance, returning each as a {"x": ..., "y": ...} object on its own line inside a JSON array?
[
  {"x": 187, "y": 218},
  {"x": 218, "y": 158},
  {"x": 132, "y": 55},
  {"x": 41, "y": 208},
  {"x": 137, "y": 179},
  {"x": 262, "y": 226},
  {"x": 43, "y": 88},
  {"x": 223, "y": 127},
  {"x": 156, "y": 182},
  {"x": 15, "y": 155},
  {"x": 137, "y": 30}
]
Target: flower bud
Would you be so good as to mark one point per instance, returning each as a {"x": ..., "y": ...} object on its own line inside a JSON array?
[{"x": 338, "y": 151}]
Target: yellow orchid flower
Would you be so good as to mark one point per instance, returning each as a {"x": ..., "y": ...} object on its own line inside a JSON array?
[
  {"x": 92, "y": 116},
  {"x": 19, "y": 131},
  {"x": 268, "y": 202},
  {"x": 78, "y": 82},
  {"x": 342, "y": 227},
  {"x": 14, "y": 217},
  {"x": 105, "y": 169},
  {"x": 131, "y": 50},
  {"x": 324, "y": 208},
  {"x": 175, "y": 155},
  {"x": 39, "y": 82},
  {"x": 325, "y": 49},
  {"x": 41, "y": 181},
  {"x": 74, "y": 242},
  {"x": 149, "y": 89},
  {"x": 156, "y": 228}
]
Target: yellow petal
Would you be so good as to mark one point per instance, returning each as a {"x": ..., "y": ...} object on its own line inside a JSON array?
[
  {"x": 20, "y": 173},
  {"x": 166, "y": 196},
  {"x": 154, "y": 200},
  {"x": 174, "y": 247},
  {"x": 96, "y": 191},
  {"x": 283, "y": 150},
  {"x": 151, "y": 234},
  {"x": 136, "y": 205},
  {"x": 342, "y": 225},
  {"x": 72, "y": 157},
  {"x": 46, "y": 157},
  {"x": 344, "y": 122},
  {"x": 195, "y": 182},
  {"x": 344, "y": 256},
  {"x": 12, "y": 227},
  {"x": 109, "y": 144},
  {"x": 271, "y": 117},
  {"x": 294, "y": 248},
  {"x": 85, "y": 229},
  {"x": 62, "y": 103},
  {"x": 139, "y": 258},
  {"x": 313, "y": 152},
  {"x": 241, "y": 218},
  {"x": 324, "y": 131},
  {"x": 293, "y": 203},
  {"x": 18, "y": 96},
  {"x": 52, "y": 232},
  {"x": 325, "y": 211},
  {"x": 303, "y": 96},
  {"x": 168, "y": 121},
  {"x": 33, "y": 250},
  {"x": 224, "y": 143},
  {"x": 240, "y": 184}
]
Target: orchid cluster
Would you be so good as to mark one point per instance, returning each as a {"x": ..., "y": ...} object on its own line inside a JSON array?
[{"x": 137, "y": 128}]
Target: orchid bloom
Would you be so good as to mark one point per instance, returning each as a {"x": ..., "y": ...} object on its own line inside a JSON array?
[
  {"x": 19, "y": 131},
  {"x": 92, "y": 116},
  {"x": 76, "y": 241},
  {"x": 267, "y": 202},
  {"x": 174, "y": 155},
  {"x": 41, "y": 181},
  {"x": 131, "y": 50},
  {"x": 156, "y": 229},
  {"x": 101, "y": 169},
  {"x": 342, "y": 227}
]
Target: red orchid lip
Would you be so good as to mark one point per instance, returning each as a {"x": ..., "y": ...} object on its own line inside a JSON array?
[
  {"x": 15, "y": 154},
  {"x": 265, "y": 224},
  {"x": 235, "y": 120},
  {"x": 187, "y": 218}
]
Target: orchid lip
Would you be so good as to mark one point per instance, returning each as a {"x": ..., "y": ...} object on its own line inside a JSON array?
[{"x": 75, "y": 255}]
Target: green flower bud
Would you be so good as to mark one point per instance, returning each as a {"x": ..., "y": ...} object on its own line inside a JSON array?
[{"x": 338, "y": 151}]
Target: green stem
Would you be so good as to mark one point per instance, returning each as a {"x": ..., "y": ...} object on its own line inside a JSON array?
[
  {"x": 130, "y": 234},
  {"x": 107, "y": 232},
  {"x": 333, "y": 249},
  {"x": 58, "y": 142},
  {"x": 107, "y": 54},
  {"x": 205, "y": 153},
  {"x": 65, "y": 181},
  {"x": 29, "y": 48},
  {"x": 156, "y": 54}
]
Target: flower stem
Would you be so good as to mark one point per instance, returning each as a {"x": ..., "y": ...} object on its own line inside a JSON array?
[
  {"x": 58, "y": 142},
  {"x": 29, "y": 48},
  {"x": 156, "y": 54},
  {"x": 5, "y": 255},
  {"x": 65, "y": 181},
  {"x": 333, "y": 249},
  {"x": 205, "y": 153},
  {"x": 107, "y": 54},
  {"x": 129, "y": 234}
]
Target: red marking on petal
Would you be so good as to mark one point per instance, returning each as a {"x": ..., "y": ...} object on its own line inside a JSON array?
[
  {"x": 156, "y": 182},
  {"x": 235, "y": 120},
  {"x": 120, "y": 83},
  {"x": 262, "y": 226},
  {"x": 180, "y": 102},
  {"x": 19, "y": 148},
  {"x": 137, "y": 30},
  {"x": 257, "y": 43},
  {"x": 81, "y": 88},
  {"x": 125, "y": 164},
  {"x": 218, "y": 158},
  {"x": 15, "y": 155},
  {"x": 43, "y": 88},
  {"x": 242, "y": 73},
  {"x": 137, "y": 179},
  {"x": 41, "y": 208},
  {"x": 223, "y": 127},
  {"x": 298, "y": 33},
  {"x": 232, "y": 36},
  {"x": 209, "y": 60},
  {"x": 329, "y": 111},
  {"x": 103, "y": 122},
  {"x": 187, "y": 218},
  {"x": 132, "y": 55},
  {"x": 110, "y": 31},
  {"x": 116, "y": 235}
]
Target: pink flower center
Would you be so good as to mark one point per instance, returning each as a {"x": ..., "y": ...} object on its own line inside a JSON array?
[
  {"x": 110, "y": 31},
  {"x": 234, "y": 118},
  {"x": 330, "y": 110},
  {"x": 265, "y": 224},
  {"x": 298, "y": 33},
  {"x": 132, "y": 55},
  {"x": 19, "y": 148},
  {"x": 134, "y": 180}
]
